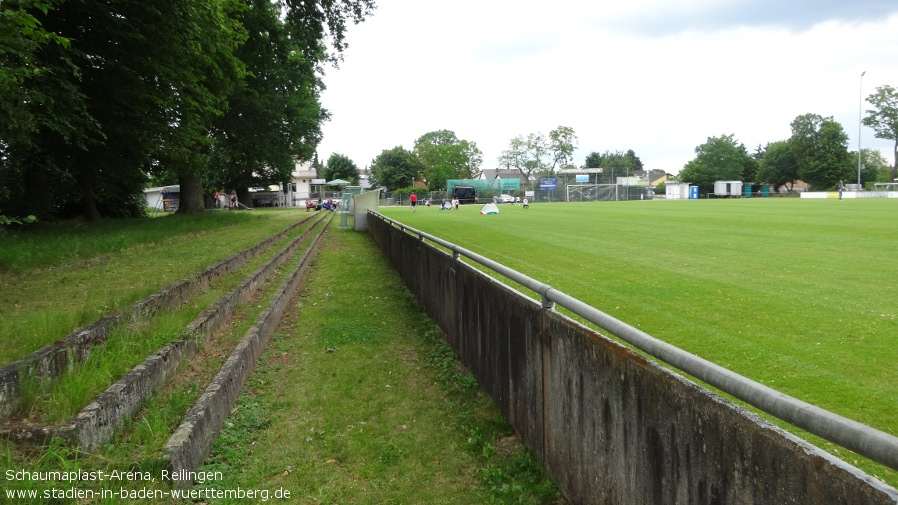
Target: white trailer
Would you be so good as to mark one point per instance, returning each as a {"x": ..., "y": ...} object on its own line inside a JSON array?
[{"x": 727, "y": 188}]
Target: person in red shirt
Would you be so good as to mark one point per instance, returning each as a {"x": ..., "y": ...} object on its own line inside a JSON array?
[{"x": 414, "y": 200}]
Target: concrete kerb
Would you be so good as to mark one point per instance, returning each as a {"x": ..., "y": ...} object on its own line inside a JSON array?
[
  {"x": 50, "y": 362},
  {"x": 100, "y": 419},
  {"x": 192, "y": 441}
]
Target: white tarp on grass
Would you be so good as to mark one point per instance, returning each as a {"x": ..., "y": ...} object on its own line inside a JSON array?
[{"x": 489, "y": 208}]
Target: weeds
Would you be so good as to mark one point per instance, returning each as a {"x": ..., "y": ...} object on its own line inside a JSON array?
[{"x": 507, "y": 477}]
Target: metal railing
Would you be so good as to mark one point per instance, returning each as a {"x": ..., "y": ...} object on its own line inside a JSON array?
[{"x": 860, "y": 438}]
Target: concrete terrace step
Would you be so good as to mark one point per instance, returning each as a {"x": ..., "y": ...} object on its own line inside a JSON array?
[{"x": 100, "y": 419}]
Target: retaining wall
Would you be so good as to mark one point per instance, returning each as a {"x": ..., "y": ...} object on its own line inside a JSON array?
[{"x": 610, "y": 426}]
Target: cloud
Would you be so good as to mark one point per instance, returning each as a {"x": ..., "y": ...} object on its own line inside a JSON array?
[
  {"x": 660, "y": 19},
  {"x": 492, "y": 70}
]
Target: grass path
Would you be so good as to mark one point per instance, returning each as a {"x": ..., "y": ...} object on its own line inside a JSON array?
[{"x": 358, "y": 399}]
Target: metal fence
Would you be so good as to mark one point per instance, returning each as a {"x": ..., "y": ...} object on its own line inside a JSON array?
[
  {"x": 562, "y": 193},
  {"x": 864, "y": 440}
]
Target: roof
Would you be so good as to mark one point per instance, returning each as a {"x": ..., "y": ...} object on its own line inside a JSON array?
[
  {"x": 502, "y": 173},
  {"x": 174, "y": 188}
]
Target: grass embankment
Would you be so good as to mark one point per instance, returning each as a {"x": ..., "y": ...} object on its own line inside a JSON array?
[
  {"x": 388, "y": 416},
  {"x": 59, "y": 277},
  {"x": 795, "y": 294},
  {"x": 129, "y": 344}
]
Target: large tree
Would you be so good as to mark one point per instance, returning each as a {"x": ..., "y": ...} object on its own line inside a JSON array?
[
  {"x": 562, "y": 142},
  {"x": 339, "y": 166},
  {"x": 635, "y": 162},
  {"x": 139, "y": 90},
  {"x": 395, "y": 168},
  {"x": 540, "y": 154},
  {"x": 444, "y": 156},
  {"x": 720, "y": 158},
  {"x": 617, "y": 163},
  {"x": 135, "y": 91},
  {"x": 274, "y": 117},
  {"x": 820, "y": 146},
  {"x": 613, "y": 164},
  {"x": 41, "y": 109},
  {"x": 517, "y": 157},
  {"x": 778, "y": 166},
  {"x": 875, "y": 167},
  {"x": 884, "y": 119}
]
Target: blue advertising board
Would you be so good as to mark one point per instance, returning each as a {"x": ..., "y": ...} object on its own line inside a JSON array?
[
  {"x": 548, "y": 184},
  {"x": 581, "y": 178}
]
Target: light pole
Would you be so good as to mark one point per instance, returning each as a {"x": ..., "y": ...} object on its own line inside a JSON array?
[{"x": 860, "y": 101}]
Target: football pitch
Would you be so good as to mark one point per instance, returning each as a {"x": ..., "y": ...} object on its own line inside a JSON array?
[{"x": 799, "y": 295}]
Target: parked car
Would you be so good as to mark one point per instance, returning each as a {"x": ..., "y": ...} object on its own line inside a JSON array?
[{"x": 506, "y": 199}]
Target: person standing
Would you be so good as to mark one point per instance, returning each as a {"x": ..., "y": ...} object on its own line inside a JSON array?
[
  {"x": 414, "y": 200},
  {"x": 526, "y": 203}
]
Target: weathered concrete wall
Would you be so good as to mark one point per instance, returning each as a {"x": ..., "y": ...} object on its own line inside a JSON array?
[
  {"x": 97, "y": 422},
  {"x": 610, "y": 426},
  {"x": 192, "y": 440}
]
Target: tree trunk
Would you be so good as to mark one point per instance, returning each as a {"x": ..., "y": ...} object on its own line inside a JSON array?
[
  {"x": 88, "y": 199},
  {"x": 89, "y": 205},
  {"x": 243, "y": 197},
  {"x": 895, "y": 165},
  {"x": 191, "y": 194}
]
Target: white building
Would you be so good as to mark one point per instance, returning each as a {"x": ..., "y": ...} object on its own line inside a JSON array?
[
  {"x": 676, "y": 190},
  {"x": 163, "y": 198},
  {"x": 304, "y": 179}
]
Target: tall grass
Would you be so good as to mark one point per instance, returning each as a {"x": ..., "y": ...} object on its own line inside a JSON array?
[
  {"x": 78, "y": 273},
  {"x": 48, "y": 244},
  {"x": 796, "y": 294},
  {"x": 128, "y": 345}
]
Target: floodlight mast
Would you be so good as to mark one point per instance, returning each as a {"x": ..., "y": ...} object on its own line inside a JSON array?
[{"x": 860, "y": 101}]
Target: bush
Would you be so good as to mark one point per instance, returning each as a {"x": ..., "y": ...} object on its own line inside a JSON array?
[{"x": 11, "y": 220}]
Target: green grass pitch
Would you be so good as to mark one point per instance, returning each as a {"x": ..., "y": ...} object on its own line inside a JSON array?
[{"x": 800, "y": 295}]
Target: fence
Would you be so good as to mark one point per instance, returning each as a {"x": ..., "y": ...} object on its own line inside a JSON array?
[
  {"x": 610, "y": 425},
  {"x": 570, "y": 193}
]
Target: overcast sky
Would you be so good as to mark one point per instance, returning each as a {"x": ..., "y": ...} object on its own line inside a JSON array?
[{"x": 655, "y": 76}]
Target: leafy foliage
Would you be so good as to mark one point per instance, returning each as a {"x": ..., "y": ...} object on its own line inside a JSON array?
[
  {"x": 395, "y": 168},
  {"x": 339, "y": 166},
  {"x": 875, "y": 168},
  {"x": 720, "y": 158},
  {"x": 274, "y": 116},
  {"x": 95, "y": 96},
  {"x": 778, "y": 165},
  {"x": 884, "y": 118},
  {"x": 444, "y": 156},
  {"x": 8, "y": 220},
  {"x": 820, "y": 147},
  {"x": 616, "y": 163},
  {"x": 540, "y": 154}
]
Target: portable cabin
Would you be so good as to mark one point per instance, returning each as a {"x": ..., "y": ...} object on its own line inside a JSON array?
[{"x": 727, "y": 188}]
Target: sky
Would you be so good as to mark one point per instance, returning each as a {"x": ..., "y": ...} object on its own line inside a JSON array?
[{"x": 656, "y": 76}]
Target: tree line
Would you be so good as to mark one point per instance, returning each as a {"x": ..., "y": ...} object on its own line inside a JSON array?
[
  {"x": 816, "y": 153},
  {"x": 99, "y": 99},
  {"x": 439, "y": 156}
]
